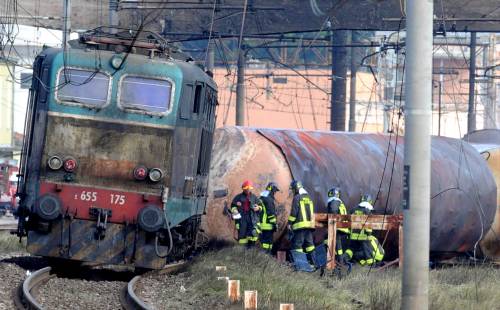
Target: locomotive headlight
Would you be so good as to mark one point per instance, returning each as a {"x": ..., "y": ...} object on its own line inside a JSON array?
[
  {"x": 69, "y": 164},
  {"x": 140, "y": 173},
  {"x": 55, "y": 163},
  {"x": 155, "y": 174}
]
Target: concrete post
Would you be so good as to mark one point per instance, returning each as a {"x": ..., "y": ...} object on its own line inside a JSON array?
[
  {"x": 490, "y": 111},
  {"x": 113, "y": 16},
  {"x": 339, "y": 74},
  {"x": 211, "y": 57},
  {"x": 352, "y": 93},
  {"x": 417, "y": 176},
  {"x": 471, "y": 115},
  {"x": 67, "y": 22},
  {"x": 240, "y": 89}
]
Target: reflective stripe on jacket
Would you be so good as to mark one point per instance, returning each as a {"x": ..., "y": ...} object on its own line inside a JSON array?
[
  {"x": 302, "y": 213},
  {"x": 268, "y": 213},
  {"x": 360, "y": 234},
  {"x": 337, "y": 206}
]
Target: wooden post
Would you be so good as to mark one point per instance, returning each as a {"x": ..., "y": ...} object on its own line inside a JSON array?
[
  {"x": 400, "y": 246},
  {"x": 286, "y": 306},
  {"x": 250, "y": 300},
  {"x": 220, "y": 268},
  {"x": 233, "y": 290},
  {"x": 281, "y": 256},
  {"x": 332, "y": 240}
]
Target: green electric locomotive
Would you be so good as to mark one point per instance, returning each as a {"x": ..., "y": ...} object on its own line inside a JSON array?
[{"x": 117, "y": 148}]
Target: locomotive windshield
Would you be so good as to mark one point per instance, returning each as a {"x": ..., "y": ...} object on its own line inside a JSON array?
[
  {"x": 145, "y": 94},
  {"x": 82, "y": 87}
]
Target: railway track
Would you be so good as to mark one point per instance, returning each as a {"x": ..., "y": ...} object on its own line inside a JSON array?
[
  {"x": 129, "y": 300},
  {"x": 27, "y": 290}
]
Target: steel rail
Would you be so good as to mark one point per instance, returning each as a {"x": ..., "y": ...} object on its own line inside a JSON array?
[
  {"x": 129, "y": 298},
  {"x": 25, "y": 299}
]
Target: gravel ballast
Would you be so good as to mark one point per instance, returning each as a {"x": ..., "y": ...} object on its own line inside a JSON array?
[
  {"x": 13, "y": 270},
  {"x": 64, "y": 293},
  {"x": 175, "y": 291}
]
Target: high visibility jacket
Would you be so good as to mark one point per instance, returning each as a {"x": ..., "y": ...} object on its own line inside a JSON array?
[
  {"x": 360, "y": 234},
  {"x": 302, "y": 213},
  {"x": 336, "y": 206},
  {"x": 268, "y": 211}
]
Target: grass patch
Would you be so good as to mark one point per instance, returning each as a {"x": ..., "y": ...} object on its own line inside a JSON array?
[
  {"x": 10, "y": 243},
  {"x": 450, "y": 288}
]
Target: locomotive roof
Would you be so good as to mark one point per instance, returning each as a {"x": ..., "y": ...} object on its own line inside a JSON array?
[{"x": 190, "y": 71}]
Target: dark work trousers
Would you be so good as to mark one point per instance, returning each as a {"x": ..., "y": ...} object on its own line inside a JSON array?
[
  {"x": 342, "y": 242},
  {"x": 302, "y": 240},
  {"x": 266, "y": 239},
  {"x": 246, "y": 228},
  {"x": 361, "y": 249}
]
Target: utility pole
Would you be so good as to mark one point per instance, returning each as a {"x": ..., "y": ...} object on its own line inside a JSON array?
[
  {"x": 471, "y": 115},
  {"x": 417, "y": 164},
  {"x": 67, "y": 22},
  {"x": 440, "y": 102},
  {"x": 210, "y": 57},
  {"x": 339, "y": 74},
  {"x": 240, "y": 88},
  {"x": 113, "y": 16},
  {"x": 352, "y": 95},
  {"x": 490, "y": 110}
]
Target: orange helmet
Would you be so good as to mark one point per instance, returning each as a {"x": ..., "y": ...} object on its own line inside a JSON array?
[{"x": 247, "y": 185}]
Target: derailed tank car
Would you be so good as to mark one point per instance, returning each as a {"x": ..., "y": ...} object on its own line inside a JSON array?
[
  {"x": 116, "y": 156},
  {"x": 463, "y": 190}
]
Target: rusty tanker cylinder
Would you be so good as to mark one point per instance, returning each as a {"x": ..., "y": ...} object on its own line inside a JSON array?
[
  {"x": 487, "y": 143},
  {"x": 463, "y": 190}
]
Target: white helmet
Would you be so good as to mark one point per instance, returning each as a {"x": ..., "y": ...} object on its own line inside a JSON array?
[
  {"x": 366, "y": 205},
  {"x": 236, "y": 216}
]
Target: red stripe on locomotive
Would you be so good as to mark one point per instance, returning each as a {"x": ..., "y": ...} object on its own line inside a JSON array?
[{"x": 78, "y": 200}]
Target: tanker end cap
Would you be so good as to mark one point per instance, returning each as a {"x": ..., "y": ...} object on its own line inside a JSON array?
[
  {"x": 151, "y": 219},
  {"x": 48, "y": 207}
]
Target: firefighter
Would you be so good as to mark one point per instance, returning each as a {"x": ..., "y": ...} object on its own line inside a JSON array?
[
  {"x": 301, "y": 219},
  {"x": 245, "y": 208},
  {"x": 361, "y": 240},
  {"x": 267, "y": 222},
  {"x": 372, "y": 253},
  {"x": 364, "y": 207},
  {"x": 337, "y": 206}
]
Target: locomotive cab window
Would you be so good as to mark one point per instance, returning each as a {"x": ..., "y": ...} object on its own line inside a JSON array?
[
  {"x": 82, "y": 87},
  {"x": 197, "y": 98},
  {"x": 145, "y": 95}
]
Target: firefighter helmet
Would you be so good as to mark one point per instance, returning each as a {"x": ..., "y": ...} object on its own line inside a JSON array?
[
  {"x": 334, "y": 192},
  {"x": 247, "y": 185},
  {"x": 295, "y": 185},
  {"x": 272, "y": 187}
]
